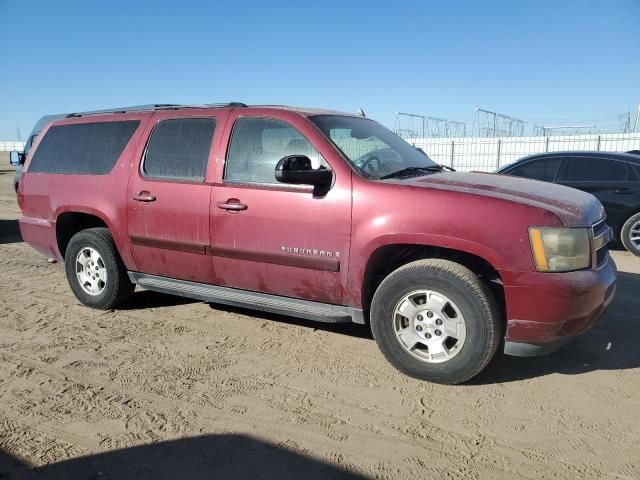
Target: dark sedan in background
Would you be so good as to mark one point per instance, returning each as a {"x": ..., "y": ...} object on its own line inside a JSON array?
[{"x": 613, "y": 178}]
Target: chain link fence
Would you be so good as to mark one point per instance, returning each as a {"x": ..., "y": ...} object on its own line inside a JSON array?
[{"x": 489, "y": 154}]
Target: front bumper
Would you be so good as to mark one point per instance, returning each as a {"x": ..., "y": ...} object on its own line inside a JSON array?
[{"x": 545, "y": 310}]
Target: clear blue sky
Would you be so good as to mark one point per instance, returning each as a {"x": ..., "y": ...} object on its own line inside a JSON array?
[{"x": 545, "y": 59}]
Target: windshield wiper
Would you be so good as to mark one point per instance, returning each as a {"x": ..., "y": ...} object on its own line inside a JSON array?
[{"x": 409, "y": 171}]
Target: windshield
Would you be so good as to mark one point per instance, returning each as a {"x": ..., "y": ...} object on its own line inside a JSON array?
[{"x": 373, "y": 150}]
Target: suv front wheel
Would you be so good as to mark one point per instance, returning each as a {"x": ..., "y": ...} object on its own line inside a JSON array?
[
  {"x": 436, "y": 320},
  {"x": 95, "y": 271}
]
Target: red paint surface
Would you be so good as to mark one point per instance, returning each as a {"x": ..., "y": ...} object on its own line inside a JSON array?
[{"x": 486, "y": 215}]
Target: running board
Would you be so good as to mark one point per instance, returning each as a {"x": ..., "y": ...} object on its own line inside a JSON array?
[{"x": 293, "y": 307}]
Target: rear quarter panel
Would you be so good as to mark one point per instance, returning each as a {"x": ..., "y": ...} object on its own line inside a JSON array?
[{"x": 45, "y": 196}]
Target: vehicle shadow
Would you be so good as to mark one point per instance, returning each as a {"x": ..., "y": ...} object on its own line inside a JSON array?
[
  {"x": 350, "y": 329},
  {"x": 612, "y": 344},
  {"x": 609, "y": 345},
  {"x": 224, "y": 456},
  {"x": 145, "y": 299},
  {"x": 9, "y": 232}
]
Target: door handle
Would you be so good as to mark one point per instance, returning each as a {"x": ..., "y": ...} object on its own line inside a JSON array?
[
  {"x": 623, "y": 191},
  {"x": 144, "y": 196},
  {"x": 233, "y": 205}
]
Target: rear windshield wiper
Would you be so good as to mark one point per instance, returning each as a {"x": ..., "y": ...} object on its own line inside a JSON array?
[{"x": 409, "y": 171}]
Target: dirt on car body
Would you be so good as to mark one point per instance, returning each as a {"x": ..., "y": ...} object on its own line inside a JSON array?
[{"x": 79, "y": 387}]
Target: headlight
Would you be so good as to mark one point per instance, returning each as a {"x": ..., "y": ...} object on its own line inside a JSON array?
[{"x": 560, "y": 249}]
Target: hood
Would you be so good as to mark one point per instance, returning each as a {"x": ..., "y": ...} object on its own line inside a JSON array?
[{"x": 575, "y": 208}]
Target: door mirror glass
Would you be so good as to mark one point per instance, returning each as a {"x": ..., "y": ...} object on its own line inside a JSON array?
[
  {"x": 297, "y": 170},
  {"x": 15, "y": 158}
]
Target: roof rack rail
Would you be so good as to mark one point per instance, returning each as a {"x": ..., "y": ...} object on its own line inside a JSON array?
[{"x": 153, "y": 107}]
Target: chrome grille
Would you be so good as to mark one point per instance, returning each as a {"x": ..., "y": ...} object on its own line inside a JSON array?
[{"x": 599, "y": 228}]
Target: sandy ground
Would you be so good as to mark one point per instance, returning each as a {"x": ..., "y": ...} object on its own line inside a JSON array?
[{"x": 170, "y": 388}]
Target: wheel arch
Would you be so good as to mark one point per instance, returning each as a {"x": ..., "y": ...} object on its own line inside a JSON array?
[
  {"x": 390, "y": 256},
  {"x": 70, "y": 222}
]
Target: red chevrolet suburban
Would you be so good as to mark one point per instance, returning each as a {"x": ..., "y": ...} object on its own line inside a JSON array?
[{"x": 321, "y": 215}]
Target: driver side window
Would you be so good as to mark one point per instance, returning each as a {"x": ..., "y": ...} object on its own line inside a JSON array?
[{"x": 256, "y": 146}]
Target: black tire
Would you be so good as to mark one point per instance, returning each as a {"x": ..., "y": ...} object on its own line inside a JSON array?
[
  {"x": 625, "y": 234},
  {"x": 472, "y": 297},
  {"x": 117, "y": 288}
]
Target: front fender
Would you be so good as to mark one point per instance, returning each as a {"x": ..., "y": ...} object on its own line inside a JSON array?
[{"x": 358, "y": 264}]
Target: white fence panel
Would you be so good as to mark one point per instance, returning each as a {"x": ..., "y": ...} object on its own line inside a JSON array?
[
  {"x": 489, "y": 154},
  {"x": 8, "y": 146}
]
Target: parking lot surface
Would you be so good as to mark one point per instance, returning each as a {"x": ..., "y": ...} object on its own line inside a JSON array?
[{"x": 170, "y": 387}]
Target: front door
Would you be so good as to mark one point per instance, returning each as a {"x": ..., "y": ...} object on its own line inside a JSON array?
[
  {"x": 276, "y": 238},
  {"x": 168, "y": 197}
]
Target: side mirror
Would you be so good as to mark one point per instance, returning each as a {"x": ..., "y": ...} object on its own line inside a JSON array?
[
  {"x": 297, "y": 170},
  {"x": 15, "y": 158}
]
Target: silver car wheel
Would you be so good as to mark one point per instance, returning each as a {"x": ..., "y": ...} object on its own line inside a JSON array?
[
  {"x": 91, "y": 271},
  {"x": 429, "y": 326},
  {"x": 634, "y": 234}
]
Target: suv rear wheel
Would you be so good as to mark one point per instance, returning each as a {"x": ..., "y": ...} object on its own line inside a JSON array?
[
  {"x": 436, "y": 320},
  {"x": 95, "y": 271},
  {"x": 630, "y": 234}
]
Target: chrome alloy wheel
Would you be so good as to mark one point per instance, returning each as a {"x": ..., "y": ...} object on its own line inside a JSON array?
[
  {"x": 429, "y": 326},
  {"x": 91, "y": 271},
  {"x": 634, "y": 234}
]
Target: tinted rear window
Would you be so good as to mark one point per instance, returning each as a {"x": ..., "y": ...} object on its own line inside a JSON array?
[
  {"x": 179, "y": 148},
  {"x": 82, "y": 149},
  {"x": 588, "y": 169}
]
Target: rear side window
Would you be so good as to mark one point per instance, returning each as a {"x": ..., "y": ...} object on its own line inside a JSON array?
[
  {"x": 82, "y": 149},
  {"x": 587, "y": 169},
  {"x": 179, "y": 149},
  {"x": 544, "y": 170}
]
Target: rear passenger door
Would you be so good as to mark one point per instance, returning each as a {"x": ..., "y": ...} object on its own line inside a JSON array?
[
  {"x": 612, "y": 182},
  {"x": 169, "y": 196}
]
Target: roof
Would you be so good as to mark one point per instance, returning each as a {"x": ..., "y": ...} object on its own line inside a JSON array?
[
  {"x": 44, "y": 121},
  {"x": 307, "y": 111},
  {"x": 155, "y": 106},
  {"x": 171, "y": 106},
  {"x": 623, "y": 156}
]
